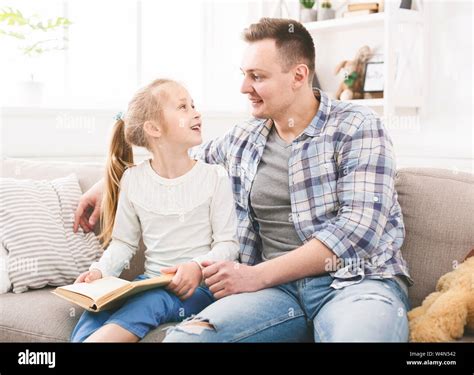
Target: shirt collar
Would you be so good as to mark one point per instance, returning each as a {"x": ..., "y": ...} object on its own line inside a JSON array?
[
  {"x": 321, "y": 117},
  {"x": 314, "y": 127}
]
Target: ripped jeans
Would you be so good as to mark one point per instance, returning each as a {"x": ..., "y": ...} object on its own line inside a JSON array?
[{"x": 301, "y": 311}]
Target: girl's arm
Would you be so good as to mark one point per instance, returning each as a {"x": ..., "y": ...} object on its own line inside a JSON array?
[
  {"x": 125, "y": 235},
  {"x": 225, "y": 245}
]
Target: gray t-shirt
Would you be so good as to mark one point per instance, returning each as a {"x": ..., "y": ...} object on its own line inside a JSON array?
[{"x": 270, "y": 199}]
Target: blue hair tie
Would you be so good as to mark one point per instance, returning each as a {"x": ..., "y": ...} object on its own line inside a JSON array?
[{"x": 119, "y": 116}]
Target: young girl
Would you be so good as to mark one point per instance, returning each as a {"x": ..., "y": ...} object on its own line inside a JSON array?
[{"x": 182, "y": 208}]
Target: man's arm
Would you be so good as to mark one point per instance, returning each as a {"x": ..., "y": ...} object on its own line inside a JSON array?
[
  {"x": 226, "y": 278},
  {"x": 88, "y": 210},
  {"x": 365, "y": 190},
  {"x": 365, "y": 193},
  {"x": 310, "y": 259},
  {"x": 213, "y": 151}
]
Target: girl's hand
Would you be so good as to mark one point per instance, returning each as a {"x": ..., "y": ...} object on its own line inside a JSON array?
[
  {"x": 187, "y": 279},
  {"x": 89, "y": 276}
]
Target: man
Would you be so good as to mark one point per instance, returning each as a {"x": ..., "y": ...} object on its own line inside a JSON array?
[{"x": 320, "y": 227}]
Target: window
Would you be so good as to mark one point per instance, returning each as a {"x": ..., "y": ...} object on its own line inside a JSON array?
[
  {"x": 115, "y": 47},
  {"x": 101, "y": 68},
  {"x": 16, "y": 69}
]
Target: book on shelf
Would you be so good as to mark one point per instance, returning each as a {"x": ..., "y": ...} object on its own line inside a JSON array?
[
  {"x": 357, "y": 13},
  {"x": 108, "y": 292},
  {"x": 363, "y": 6}
]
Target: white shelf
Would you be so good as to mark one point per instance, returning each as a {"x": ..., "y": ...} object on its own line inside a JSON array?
[
  {"x": 367, "y": 102},
  {"x": 346, "y": 23},
  {"x": 369, "y": 20},
  {"x": 406, "y": 102},
  {"x": 380, "y": 31}
]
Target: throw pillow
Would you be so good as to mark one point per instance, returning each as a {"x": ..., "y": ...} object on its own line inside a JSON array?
[{"x": 36, "y": 229}]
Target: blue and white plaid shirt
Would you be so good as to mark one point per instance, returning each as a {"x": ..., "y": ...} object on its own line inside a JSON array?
[{"x": 341, "y": 180}]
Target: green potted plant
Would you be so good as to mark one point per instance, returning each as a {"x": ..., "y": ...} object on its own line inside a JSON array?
[
  {"x": 34, "y": 38},
  {"x": 326, "y": 12},
  {"x": 307, "y": 13}
]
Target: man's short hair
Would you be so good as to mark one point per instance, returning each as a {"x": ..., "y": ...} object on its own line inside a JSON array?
[{"x": 293, "y": 41}]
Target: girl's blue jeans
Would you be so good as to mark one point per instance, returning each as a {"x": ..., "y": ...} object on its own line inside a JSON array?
[{"x": 144, "y": 312}]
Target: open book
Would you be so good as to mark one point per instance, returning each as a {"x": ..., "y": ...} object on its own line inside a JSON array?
[{"x": 108, "y": 292}]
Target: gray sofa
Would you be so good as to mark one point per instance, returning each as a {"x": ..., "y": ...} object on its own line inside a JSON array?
[{"x": 438, "y": 207}]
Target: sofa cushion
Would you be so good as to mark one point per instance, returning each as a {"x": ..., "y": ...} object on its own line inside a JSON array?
[
  {"x": 36, "y": 315},
  {"x": 158, "y": 334},
  {"x": 438, "y": 207},
  {"x": 87, "y": 173}
]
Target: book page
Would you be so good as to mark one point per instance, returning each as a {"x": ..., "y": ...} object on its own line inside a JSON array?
[
  {"x": 137, "y": 286},
  {"x": 97, "y": 288}
]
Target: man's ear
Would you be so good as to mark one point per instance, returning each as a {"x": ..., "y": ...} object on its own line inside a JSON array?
[
  {"x": 152, "y": 129},
  {"x": 301, "y": 74}
]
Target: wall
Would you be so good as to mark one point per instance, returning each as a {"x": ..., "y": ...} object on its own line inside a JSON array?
[
  {"x": 444, "y": 136},
  {"x": 77, "y": 134}
]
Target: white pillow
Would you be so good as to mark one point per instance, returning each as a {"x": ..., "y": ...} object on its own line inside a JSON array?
[
  {"x": 5, "y": 283},
  {"x": 36, "y": 220}
]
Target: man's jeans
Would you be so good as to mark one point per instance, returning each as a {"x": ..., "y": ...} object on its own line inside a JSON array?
[{"x": 304, "y": 310}]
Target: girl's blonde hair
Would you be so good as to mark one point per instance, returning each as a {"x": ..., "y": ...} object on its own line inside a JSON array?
[{"x": 127, "y": 131}]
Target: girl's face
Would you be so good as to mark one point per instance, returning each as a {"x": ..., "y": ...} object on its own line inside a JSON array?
[{"x": 181, "y": 127}]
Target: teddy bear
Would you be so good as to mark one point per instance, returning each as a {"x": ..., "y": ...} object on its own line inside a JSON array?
[
  {"x": 445, "y": 314},
  {"x": 352, "y": 86}
]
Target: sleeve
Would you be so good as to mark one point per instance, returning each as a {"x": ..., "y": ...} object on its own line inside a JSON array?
[
  {"x": 213, "y": 151},
  {"x": 225, "y": 245},
  {"x": 125, "y": 235},
  {"x": 365, "y": 191}
]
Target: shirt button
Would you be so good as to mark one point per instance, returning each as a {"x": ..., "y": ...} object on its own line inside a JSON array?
[{"x": 376, "y": 199}]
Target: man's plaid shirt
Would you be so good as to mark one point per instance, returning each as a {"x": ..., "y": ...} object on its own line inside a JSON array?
[{"x": 341, "y": 181}]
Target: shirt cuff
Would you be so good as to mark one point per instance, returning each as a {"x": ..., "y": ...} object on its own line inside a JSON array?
[
  {"x": 98, "y": 266},
  {"x": 348, "y": 268},
  {"x": 198, "y": 263},
  {"x": 336, "y": 240}
]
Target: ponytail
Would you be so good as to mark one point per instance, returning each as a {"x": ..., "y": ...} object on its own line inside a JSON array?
[
  {"x": 145, "y": 105},
  {"x": 120, "y": 158}
]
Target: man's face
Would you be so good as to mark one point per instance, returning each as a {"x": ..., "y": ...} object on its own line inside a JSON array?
[{"x": 268, "y": 88}]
